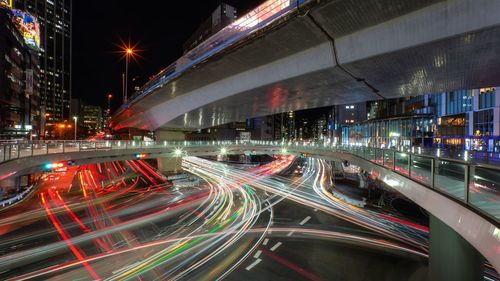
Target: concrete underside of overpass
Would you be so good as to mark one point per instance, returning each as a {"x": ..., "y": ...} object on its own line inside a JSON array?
[{"x": 336, "y": 52}]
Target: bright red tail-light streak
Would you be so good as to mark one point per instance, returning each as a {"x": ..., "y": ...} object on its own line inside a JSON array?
[
  {"x": 410, "y": 224},
  {"x": 291, "y": 265},
  {"x": 66, "y": 239}
]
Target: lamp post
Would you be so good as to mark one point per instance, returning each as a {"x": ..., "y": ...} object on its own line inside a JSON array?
[
  {"x": 76, "y": 120},
  {"x": 110, "y": 96},
  {"x": 129, "y": 52}
]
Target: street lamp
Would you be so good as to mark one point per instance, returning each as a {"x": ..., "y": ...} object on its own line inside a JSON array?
[
  {"x": 76, "y": 120},
  {"x": 128, "y": 52},
  {"x": 110, "y": 96}
]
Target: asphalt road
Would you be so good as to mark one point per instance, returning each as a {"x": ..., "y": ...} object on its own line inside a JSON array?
[{"x": 123, "y": 220}]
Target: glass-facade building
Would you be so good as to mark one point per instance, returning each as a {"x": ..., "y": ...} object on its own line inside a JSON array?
[
  {"x": 462, "y": 120},
  {"x": 404, "y": 131}
]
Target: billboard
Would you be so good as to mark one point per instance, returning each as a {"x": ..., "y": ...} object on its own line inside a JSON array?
[
  {"x": 7, "y": 3},
  {"x": 28, "y": 26}
]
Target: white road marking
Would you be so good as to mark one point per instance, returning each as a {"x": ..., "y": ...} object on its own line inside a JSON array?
[
  {"x": 305, "y": 220},
  {"x": 256, "y": 262},
  {"x": 315, "y": 210},
  {"x": 276, "y": 246},
  {"x": 265, "y": 241},
  {"x": 257, "y": 255},
  {"x": 290, "y": 233}
]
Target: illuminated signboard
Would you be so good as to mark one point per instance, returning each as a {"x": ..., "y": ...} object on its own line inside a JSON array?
[
  {"x": 28, "y": 26},
  {"x": 7, "y": 3}
]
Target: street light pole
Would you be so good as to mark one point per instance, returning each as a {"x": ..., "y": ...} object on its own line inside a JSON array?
[
  {"x": 76, "y": 119},
  {"x": 123, "y": 88},
  {"x": 110, "y": 96},
  {"x": 126, "y": 75}
]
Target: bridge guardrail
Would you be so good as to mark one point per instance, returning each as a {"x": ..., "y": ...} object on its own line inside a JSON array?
[{"x": 476, "y": 185}]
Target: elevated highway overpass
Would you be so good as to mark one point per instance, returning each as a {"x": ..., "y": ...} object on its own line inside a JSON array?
[
  {"x": 466, "y": 202},
  {"x": 291, "y": 55}
]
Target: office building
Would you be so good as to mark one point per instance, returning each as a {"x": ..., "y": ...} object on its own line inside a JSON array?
[
  {"x": 20, "y": 111},
  {"x": 303, "y": 130},
  {"x": 288, "y": 132},
  {"x": 222, "y": 16},
  {"x": 261, "y": 128},
  {"x": 55, "y": 54},
  {"x": 461, "y": 120},
  {"x": 91, "y": 120},
  {"x": 320, "y": 129}
]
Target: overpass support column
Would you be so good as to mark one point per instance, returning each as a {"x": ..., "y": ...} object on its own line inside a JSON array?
[
  {"x": 450, "y": 256},
  {"x": 172, "y": 164}
]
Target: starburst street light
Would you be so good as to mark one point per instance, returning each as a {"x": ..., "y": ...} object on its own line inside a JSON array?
[{"x": 128, "y": 52}]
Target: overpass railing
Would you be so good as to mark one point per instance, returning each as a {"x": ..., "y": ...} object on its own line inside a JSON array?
[
  {"x": 15, "y": 150},
  {"x": 474, "y": 184}
]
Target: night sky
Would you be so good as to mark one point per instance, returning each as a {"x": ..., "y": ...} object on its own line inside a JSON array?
[{"x": 160, "y": 28}]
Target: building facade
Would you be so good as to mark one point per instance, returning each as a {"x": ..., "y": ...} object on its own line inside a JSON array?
[
  {"x": 461, "y": 120},
  {"x": 55, "y": 17},
  {"x": 20, "y": 110},
  {"x": 221, "y": 17},
  {"x": 470, "y": 119},
  {"x": 91, "y": 120}
]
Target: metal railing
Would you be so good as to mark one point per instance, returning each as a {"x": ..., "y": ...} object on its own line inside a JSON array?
[
  {"x": 15, "y": 150},
  {"x": 474, "y": 184},
  {"x": 17, "y": 198}
]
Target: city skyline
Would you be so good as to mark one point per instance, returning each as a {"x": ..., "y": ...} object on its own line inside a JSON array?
[{"x": 264, "y": 140}]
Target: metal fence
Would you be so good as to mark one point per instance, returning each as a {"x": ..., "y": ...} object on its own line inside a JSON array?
[
  {"x": 469, "y": 181},
  {"x": 475, "y": 184}
]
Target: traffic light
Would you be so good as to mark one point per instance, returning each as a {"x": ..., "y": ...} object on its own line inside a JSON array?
[
  {"x": 56, "y": 166},
  {"x": 141, "y": 156}
]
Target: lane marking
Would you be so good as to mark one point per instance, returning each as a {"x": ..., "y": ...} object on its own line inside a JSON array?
[
  {"x": 290, "y": 233},
  {"x": 265, "y": 242},
  {"x": 315, "y": 210},
  {"x": 257, "y": 255},
  {"x": 305, "y": 220},
  {"x": 276, "y": 246},
  {"x": 256, "y": 262}
]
